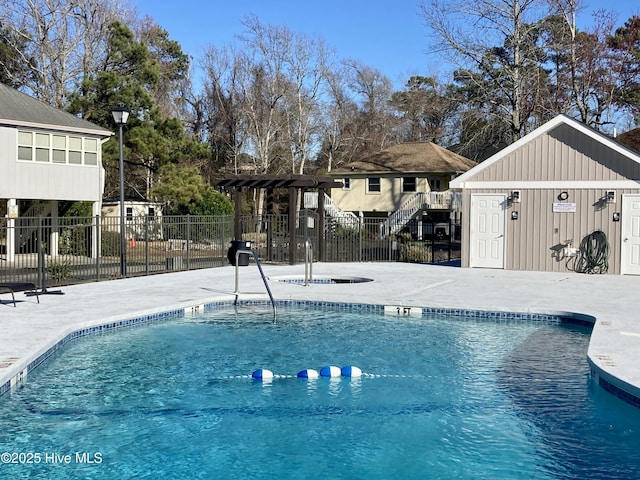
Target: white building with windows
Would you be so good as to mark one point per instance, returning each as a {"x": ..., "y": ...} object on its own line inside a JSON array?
[
  {"x": 47, "y": 156},
  {"x": 142, "y": 219}
]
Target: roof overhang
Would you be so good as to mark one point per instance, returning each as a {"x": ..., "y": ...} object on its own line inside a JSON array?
[{"x": 57, "y": 128}]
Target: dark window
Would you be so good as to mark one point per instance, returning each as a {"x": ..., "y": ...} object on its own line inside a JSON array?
[
  {"x": 409, "y": 184},
  {"x": 346, "y": 184},
  {"x": 152, "y": 212},
  {"x": 373, "y": 185},
  {"x": 435, "y": 184},
  {"x": 129, "y": 213}
]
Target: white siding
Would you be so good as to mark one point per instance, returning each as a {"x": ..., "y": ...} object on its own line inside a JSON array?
[{"x": 46, "y": 181}]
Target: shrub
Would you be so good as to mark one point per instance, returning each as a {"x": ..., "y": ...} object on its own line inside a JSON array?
[
  {"x": 59, "y": 272},
  {"x": 110, "y": 244}
]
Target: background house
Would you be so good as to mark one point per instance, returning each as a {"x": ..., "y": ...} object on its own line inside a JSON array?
[
  {"x": 401, "y": 183},
  {"x": 563, "y": 198},
  {"x": 143, "y": 220},
  {"x": 48, "y": 158}
]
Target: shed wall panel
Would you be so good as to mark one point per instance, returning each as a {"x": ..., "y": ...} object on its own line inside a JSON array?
[
  {"x": 562, "y": 154},
  {"x": 535, "y": 240}
]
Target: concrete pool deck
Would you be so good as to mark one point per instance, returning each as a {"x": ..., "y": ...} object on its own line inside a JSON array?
[{"x": 30, "y": 329}]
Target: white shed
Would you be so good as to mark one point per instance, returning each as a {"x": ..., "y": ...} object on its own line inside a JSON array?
[{"x": 562, "y": 198}]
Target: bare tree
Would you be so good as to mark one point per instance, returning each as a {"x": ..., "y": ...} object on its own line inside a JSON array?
[
  {"x": 495, "y": 45},
  {"x": 264, "y": 86},
  {"x": 62, "y": 41},
  {"x": 586, "y": 67},
  {"x": 306, "y": 64},
  {"x": 339, "y": 111},
  {"x": 222, "y": 105},
  {"x": 376, "y": 122}
]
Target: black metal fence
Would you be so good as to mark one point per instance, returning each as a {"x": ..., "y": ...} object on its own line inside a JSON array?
[{"x": 61, "y": 251}]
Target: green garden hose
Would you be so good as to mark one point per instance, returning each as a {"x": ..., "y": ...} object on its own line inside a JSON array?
[{"x": 594, "y": 254}]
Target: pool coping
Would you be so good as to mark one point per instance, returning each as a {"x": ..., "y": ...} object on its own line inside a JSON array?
[{"x": 611, "y": 370}]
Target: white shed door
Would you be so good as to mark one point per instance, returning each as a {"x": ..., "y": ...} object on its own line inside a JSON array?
[
  {"x": 630, "y": 251},
  {"x": 486, "y": 234}
]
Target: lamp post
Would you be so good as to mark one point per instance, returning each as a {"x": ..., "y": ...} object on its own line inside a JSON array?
[{"x": 120, "y": 116}]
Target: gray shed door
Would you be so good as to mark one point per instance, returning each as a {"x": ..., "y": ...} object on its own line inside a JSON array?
[
  {"x": 630, "y": 251},
  {"x": 487, "y": 219}
]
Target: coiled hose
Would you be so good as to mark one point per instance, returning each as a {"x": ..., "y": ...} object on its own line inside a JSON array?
[{"x": 594, "y": 254}]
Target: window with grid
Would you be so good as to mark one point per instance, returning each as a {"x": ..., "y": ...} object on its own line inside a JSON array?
[
  {"x": 409, "y": 184},
  {"x": 435, "y": 184},
  {"x": 75, "y": 150},
  {"x": 59, "y": 152},
  {"x": 42, "y": 147},
  {"x": 54, "y": 148},
  {"x": 25, "y": 146},
  {"x": 90, "y": 151},
  {"x": 373, "y": 185}
]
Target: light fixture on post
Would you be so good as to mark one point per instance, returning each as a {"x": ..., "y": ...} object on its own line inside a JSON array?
[{"x": 120, "y": 116}]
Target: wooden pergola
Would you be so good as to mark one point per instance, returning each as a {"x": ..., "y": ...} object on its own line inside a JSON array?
[{"x": 295, "y": 184}]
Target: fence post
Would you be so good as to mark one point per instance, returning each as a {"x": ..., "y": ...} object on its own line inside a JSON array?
[
  {"x": 188, "y": 238},
  {"x": 222, "y": 242},
  {"x": 360, "y": 225},
  {"x": 41, "y": 259},
  {"x": 98, "y": 245},
  {"x": 146, "y": 244},
  {"x": 449, "y": 242}
]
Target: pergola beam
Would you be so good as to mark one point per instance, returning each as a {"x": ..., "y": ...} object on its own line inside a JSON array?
[{"x": 293, "y": 183}]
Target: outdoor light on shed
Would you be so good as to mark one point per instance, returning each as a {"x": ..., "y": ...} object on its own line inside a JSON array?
[
  {"x": 562, "y": 196},
  {"x": 120, "y": 116},
  {"x": 515, "y": 196},
  {"x": 611, "y": 196}
]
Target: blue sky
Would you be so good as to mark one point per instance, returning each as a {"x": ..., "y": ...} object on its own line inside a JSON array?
[{"x": 389, "y": 35}]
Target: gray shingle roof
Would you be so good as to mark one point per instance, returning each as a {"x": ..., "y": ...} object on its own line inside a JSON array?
[
  {"x": 413, "y": 157},
  {"x": 19, "y": 109}
]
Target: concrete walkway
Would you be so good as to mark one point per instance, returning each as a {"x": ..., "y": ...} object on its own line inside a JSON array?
[{"x": 614, "y": 352}]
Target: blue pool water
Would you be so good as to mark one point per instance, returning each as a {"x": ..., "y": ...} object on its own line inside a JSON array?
[{"x": 443, "y": 398}]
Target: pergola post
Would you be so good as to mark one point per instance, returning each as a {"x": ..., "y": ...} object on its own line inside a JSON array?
[
  {"x": 237, "y": 227},
  {"x": 320, "y": 232},
  {"x": 293, "y": 243},
  {"x": 270, "y": 223}
]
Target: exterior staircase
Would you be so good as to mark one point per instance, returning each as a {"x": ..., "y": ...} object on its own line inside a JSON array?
[
  {"x": 420, "y": 201},
  {"x": 29, "y": 223},
  {"x": 342, "y": 218}
]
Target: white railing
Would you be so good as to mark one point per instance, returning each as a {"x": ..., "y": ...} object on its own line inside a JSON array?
[
  {"x": 420, "y": 201},
  {"x": 345, "y": 219}
]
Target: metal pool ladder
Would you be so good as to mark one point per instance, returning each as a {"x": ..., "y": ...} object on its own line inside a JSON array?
[
  {"x": 308, "y": 262},
  {"x": 264, "y": 279}
]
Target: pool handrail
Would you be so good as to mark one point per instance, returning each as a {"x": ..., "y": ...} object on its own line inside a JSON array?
[
  {"x": 308, "y": 262},
  {"x": 264, "y": 278}
]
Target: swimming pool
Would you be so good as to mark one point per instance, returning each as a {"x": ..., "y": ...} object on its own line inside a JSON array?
[{"x": 441, "y": 398}]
